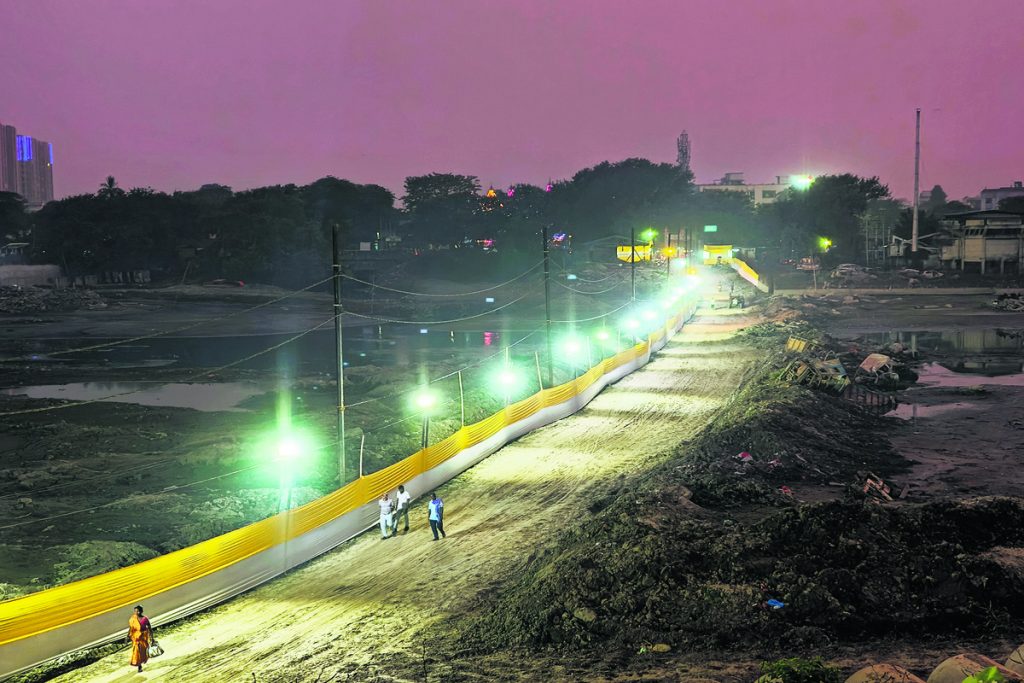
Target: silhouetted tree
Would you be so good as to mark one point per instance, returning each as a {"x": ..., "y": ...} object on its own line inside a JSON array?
[{"x": 109, "y": 189}]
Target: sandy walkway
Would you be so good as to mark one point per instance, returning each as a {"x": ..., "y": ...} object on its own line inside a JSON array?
[{"x": 371, "y": 602}]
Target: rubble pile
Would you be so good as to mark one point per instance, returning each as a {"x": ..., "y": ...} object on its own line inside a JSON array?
[
  {"x": 1009, "y": 302},
  {"x": 20, "y": 300}
]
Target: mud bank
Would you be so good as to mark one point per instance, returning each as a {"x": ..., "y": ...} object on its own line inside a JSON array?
[{"x": 690, "y": 554}]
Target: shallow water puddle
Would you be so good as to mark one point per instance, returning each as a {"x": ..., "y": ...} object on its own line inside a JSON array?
[{"x": 209, "y": 397}]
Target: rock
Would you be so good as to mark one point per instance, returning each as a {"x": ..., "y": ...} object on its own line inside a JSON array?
[
  {"x": 24, "y": 503},
  {"x": 661, "y": 647},
  {"x": 585, "y": 614},
  {"x": 956, "y": 669},
  {"x": 883, "y": 673}
]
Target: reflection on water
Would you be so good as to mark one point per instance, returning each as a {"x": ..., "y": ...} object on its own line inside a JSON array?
[
  {"x": 369, "y": 345},
  {"x": 936, "y": 375},
  {"x": 908, "y": 411},
  {"x": 206, "y": 397},
  {"x": 983, "y": 351}
]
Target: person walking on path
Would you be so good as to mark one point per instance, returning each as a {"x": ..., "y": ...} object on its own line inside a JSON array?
[
  {"x": 402, "y": 503},
  {"x": 141, "y": 635},
  {"x": 436, "y": 515},
  {"x": 385, "y": 516}
]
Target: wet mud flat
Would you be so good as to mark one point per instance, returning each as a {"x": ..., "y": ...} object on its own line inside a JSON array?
[{"x": 688, "y": 558}]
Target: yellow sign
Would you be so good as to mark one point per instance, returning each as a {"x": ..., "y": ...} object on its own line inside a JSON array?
[
  {"x": 643, "y": 252},
  {"x": 717, "y": 253}
]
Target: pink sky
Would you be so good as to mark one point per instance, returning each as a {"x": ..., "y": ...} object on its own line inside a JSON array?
[{"x": 172, "y": 94}]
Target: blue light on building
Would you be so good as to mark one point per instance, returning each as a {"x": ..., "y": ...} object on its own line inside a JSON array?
[
  {"x": 23, "y": 148},
  {"x": 51, "y": 152}
]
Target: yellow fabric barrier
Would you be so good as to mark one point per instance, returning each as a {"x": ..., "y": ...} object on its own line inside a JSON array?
[{"x": 74, "y": 602}]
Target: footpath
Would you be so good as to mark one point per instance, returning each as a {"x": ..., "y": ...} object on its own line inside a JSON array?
[{"x": 371, "y": 604}]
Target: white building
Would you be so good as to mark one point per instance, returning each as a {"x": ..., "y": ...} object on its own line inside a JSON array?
[
  {"x": 989, "y": 198},
  {"x": 759, "y": 193}
]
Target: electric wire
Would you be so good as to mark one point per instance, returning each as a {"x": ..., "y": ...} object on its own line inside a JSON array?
[
  {"x": 441, "y": 322},
  {"x": 443, "y": 377},
  {"x": 191, "y": 326},
  {"x": 478, "y": 291},
  {"x": 120, "y": 501},
  {"x": 189, "y": 378},
  {"x": 584, "y": 320},
  {"x": 580, "y": 291}
]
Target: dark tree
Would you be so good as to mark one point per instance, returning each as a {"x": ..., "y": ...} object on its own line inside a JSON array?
[
  {"x": 442, "y": 207},
  {"x": 936, "y": 201},
  {"x": 1012, "y": 204},
  {"x": 13, "y": 219}
]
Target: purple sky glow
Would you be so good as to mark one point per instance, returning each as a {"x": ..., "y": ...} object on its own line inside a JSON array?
[{"x": 172, "y": 94}]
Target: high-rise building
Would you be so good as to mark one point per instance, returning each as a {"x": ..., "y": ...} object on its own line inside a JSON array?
[
  {"x": 683, "y": 151},
  {"x": 8, "y": 157},
  {"x": 26, "y": 167}
]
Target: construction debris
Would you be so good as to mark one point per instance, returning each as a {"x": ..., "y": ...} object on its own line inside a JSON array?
[{"x": 20, "y": 300}]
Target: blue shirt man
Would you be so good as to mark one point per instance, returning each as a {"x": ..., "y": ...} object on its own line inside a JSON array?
[{"x": 436, "y": 515}]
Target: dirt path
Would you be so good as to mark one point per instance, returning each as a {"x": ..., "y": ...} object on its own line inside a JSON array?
[{"x": 371, "y": 603}]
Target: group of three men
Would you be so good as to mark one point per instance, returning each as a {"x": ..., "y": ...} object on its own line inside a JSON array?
[{"x": 392, "y": 512}]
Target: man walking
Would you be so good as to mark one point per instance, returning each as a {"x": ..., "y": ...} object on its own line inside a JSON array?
[
  {"x": 385, "y": 516},
  {"x": 402, "y": 502},
  {"x": 436, "y": 515}
]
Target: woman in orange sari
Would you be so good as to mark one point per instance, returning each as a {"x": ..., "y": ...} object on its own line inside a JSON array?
[{"x": 141, "y": 635}]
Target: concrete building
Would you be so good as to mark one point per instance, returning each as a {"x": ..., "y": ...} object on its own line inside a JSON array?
[
  {"x": 759, "y": 193},
  {"x": 8, "y": 159},
  {"x": 26, "y": 167},
  {"x": 989, "y": 198},
  {"x": 990, "y": 239}
]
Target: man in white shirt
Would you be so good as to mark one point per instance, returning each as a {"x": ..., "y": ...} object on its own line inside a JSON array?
[
  {"x": 402, "y": 501},
  {"x": 385, "y": 516}
]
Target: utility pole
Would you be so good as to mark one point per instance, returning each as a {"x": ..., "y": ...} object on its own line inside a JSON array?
[
  {"x": 917, "y": 181},
  {"x": 336, "y": 271},
  {"x": 668, "y": 255},
  {"x": 547, "y": 305},
  {"x": 632, "y": 262}
]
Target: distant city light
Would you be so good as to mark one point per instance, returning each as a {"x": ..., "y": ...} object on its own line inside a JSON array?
[
  {"x": 489, "y": 300},
  {"x": 511, "y": 191},
  {"x": 423, "y": 330},
  {"x": 710, "y": 228}
]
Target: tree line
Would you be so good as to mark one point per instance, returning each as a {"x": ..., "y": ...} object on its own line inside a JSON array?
[{"x": 281, "y": 234}]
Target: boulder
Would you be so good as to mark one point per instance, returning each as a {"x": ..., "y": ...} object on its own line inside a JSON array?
[
  {"x": 1015, "y": 662},
  {"x": 884, "y": 673},
  {"x": 956, "y": 669}
]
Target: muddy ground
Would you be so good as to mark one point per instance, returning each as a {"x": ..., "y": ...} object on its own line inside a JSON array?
[
  {"x": 650, "y": 464},
  {"x": 89, "y": 487}
]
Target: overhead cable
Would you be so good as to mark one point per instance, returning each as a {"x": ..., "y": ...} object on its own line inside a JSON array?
[
  {"x": 458, "y": 294},
  {"x": 190, "y": 326},
  {"x": 189, "y": 378}
]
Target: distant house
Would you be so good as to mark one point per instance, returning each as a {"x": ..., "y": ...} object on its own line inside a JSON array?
[
  {"x": 990, "y": 197},
  {"x": 991, "y": 239},
  {"x": 13, "y": 253}
]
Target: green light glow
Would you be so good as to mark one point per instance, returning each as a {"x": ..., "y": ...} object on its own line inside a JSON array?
[
  {"x": 801, "y": 182},
  {"x": 824, "y": 243},
  {"x": 425, "y": 399},
  {"x": 602, "y": 335},
  {"x": 648, "y": 235}
]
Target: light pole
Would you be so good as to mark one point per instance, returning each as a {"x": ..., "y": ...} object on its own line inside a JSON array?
[{"x": 425, "y": 400}]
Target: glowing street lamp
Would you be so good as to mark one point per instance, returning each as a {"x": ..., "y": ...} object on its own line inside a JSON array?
[
  {"x": 425, "y": 400},
  {"x": 801, "y": 182},
  {"x": 824, "y": 243},
  {"x": 507, "y": 379},
  {"x": 648, "y": 235}
]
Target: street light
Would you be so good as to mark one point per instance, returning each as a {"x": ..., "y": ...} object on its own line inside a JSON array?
[
  {"x": 801, "y": 182},
  {"x": 425, "y": 400},
  {"x": 507, "y": 380}
]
